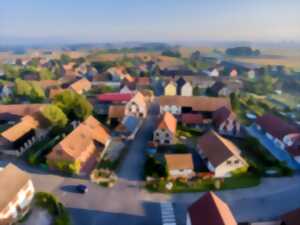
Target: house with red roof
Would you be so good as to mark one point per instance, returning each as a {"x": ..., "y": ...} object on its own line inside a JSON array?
[
  {"x": 165, "y": 131},
  {"x": 137, "y": 106},
  {"x": 225, "y": 122},
  {"x": 285, "y": 135},
  {"x": 210, "y": 210}
]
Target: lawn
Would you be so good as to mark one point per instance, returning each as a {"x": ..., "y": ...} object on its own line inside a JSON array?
[{"x": 202, "y": 185}]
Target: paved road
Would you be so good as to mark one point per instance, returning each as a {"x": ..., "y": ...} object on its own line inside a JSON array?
[{"x": 127, "y": 203}]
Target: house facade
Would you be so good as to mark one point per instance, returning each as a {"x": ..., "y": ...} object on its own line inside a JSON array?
[
  {"x": 178, "y": 105},
  {"x": 17, "y": 192},
  {"x": 170, "y": 89},
  {"x": 165, "y": 132},
  {"x": 225, "y": 122},
  {"x": 180, "y": 165},
  {"x": 221, "y": 155},
  {"x": 137, "y": 106},
  {"x": 186, "y": 89}
]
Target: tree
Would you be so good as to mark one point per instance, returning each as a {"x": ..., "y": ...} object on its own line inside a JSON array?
[
  {"x": 235, "y": 103},
  {"x": 55, "y": 116},
  {"x": 37, "y": 93},
  {"x": 242, "y": 51},
  {"x": 75, "y": 106},
  {"x": 11, "y": 72},
  {"x": 171, "y": 53},
  {"x": 45, "y": 74},
  {"x": 65, "y": 59},
  {"x": 82, "y": 108},
  {"x": 22, "y": 88}
]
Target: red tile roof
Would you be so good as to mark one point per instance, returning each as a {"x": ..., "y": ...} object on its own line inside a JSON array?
[
  {"x": 291, "y": 218},
  {"x": 115, "y": 97},
  {"x": 276, "y": 126},
  {"x": 168, "y": 121},
  {"x": 211, "y": 210},
  {"x": 221, "y": 115},
  {"x": 191, "y": 118}
]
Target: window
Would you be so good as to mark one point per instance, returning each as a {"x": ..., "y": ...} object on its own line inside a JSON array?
[
  {"x": 237, "y": 161},
  {"x": 228, "y": 162},
  {"x": 167, "y": 142},
  {"x": 167, "y": 135}
]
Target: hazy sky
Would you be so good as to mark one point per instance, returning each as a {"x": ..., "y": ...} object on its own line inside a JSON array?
[{"x": 151, "y": 20}]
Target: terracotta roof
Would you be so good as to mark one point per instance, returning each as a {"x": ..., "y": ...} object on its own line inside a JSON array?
[
  {"x": 19, "y": 109},
  {"x": 217, "y": 149},
  {"x": 116, "y": 111},
  {"x": 197, "y": 103},
  {"x": 179, "y": 161},
  {"x": 115, "y": 97},
  {"x": 18, "y": 130},
  {"x": 276, "y": 126},
  {"x": 55, "y": 91},
  {"x": 81, "y": 85},
  {"x": 221, "y": 115},
  {"x": 211, "y": 210},
  {"x": 12, "y": 180},
  {"x": 291, "y": 218},
  {"x": 168, "y": 121},
  {"x": 191, "y": 118},
  {"x": 78, "y": 141},
  {"x": 139, "y": 99}
]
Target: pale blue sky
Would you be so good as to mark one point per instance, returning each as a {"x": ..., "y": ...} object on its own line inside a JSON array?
[{"x": 151, "y": 20}]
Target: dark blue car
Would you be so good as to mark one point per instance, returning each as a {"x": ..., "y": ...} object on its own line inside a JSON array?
[{"x": 82, "y": 188}]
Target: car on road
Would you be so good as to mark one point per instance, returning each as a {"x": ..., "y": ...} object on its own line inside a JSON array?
[{"x": 82, "y": 188}]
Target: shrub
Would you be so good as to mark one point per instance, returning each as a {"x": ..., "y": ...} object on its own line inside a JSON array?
[
  {"x": 155, "y": 168},
  {"x": 54, "y": 207}
]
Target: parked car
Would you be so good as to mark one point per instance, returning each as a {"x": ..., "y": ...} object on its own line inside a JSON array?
[{"x": 82, "y": 188}]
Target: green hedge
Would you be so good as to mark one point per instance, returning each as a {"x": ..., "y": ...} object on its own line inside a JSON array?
[{"x": 54, "y": 207}]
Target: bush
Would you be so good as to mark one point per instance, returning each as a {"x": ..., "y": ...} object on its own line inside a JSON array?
[
  {"x": 155, "y": 168},
  {"x": 54, "y": 207},
  {"x": 65, "y": 166}
]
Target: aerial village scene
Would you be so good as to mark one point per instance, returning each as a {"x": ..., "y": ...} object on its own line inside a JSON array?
[{"x": 150, "y": 113}]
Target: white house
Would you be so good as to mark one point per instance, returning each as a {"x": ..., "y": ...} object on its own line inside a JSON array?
[
  {"x": 166, "y": 129},
  {"x": 222, "y": 156},
  {"x": 251, "y": 74},
  {"x": 137, "y": 106},
  {"x": 180, "y": 165},
  {"x": 286, "y": 136},
  {"x": 187, "y": 89},
  {"x": 16, "y": 194},
  {"x": 225, "y": 121},
  {"x": 214, "y": 72}
]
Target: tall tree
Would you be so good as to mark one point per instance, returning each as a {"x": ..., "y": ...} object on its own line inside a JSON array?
[{"x": 55, "y": 116}]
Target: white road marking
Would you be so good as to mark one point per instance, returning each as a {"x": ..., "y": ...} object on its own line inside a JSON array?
[{"x": 167, "y": 213}]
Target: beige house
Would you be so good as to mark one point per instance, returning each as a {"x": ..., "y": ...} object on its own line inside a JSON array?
[
  {"x": 170, "y": 89},
  {"x": 180, "y": 165},
  {"x": 87, "y": 142},
  {"x": 222, "y": 156},
  {"x": 137, "y": 106},
  {"x": 187, "y": 89},
  {"x": 166, "y": 129},
  {"x": 16, "y": 194}
]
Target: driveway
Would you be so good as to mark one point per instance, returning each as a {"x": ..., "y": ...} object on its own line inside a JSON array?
[{"x": 277, "y": 152}]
